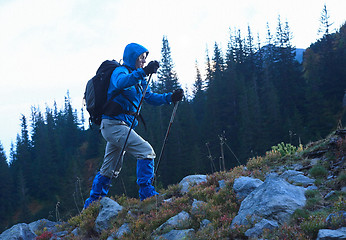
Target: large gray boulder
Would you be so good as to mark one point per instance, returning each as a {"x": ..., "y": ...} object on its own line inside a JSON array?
[
  {"x": 109, "y": 211},
  {"x": 189, "y": 181},
  {"x": 274, "y": 200},
  {"x": 19, "y": 231},
  {"x": 328, "y": 234},
  {"x": 243, "y": 186}
]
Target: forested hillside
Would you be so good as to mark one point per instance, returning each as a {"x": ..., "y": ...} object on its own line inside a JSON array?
[{"x": 254, "y": 96}]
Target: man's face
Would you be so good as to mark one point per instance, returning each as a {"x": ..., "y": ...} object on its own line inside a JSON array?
[{"x": 141, "y": 60}]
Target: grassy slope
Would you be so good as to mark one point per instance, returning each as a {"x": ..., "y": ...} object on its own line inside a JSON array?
[{"x": 323, "y": 160}]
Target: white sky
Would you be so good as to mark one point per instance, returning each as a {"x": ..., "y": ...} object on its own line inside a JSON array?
[{"x": 48, "y": 47}]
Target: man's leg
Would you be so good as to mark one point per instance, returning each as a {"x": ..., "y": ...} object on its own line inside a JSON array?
[
  {"x": 98, "y": 189},
  {"x": 145, "y": 175},
  {"x": 115, "y": 134}
]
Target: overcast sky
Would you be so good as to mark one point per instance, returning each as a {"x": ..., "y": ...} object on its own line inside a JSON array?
[{"x": 49, "y": 47}]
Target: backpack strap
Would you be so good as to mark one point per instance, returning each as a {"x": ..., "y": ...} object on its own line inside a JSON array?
[{"x": 115, "y": 109}]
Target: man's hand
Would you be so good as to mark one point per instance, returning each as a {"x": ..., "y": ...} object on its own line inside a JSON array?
[
  {"x": 177, "y": 95},
  {"x": 151, "y": 67}
]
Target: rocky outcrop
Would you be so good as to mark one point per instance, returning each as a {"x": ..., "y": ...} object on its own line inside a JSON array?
[
  {"x": 260, "y": 226},
  {"x": 328, "y": 234},
  {"x": 297, "y": 178},
  {"x": 19, "y": 231},
  {"x": 109, "y": 211},
  {"x": 124, "y": 229},
  {"x": 179, "y": 221},
  {"x": 25, "y": 231},
  {"x": 274, "y": 200},
  {"x": 191, "y": 181},
  {"x": 243, "y": 186}
]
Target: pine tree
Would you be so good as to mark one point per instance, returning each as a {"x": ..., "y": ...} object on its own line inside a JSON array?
[
  {"x": 167, "y": 77},
  {"x": 167, "y": 82},
  {"x": 325, "y": 23}
]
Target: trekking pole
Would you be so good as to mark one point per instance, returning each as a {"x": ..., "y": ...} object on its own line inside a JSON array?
[
  {"x": 165, "y": 139},
  {"x": 128, "y": 134}
]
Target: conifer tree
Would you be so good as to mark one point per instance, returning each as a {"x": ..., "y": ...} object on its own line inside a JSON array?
[
  {"x": 325, "y": 23},
  {"x": 167, "y": 77}
]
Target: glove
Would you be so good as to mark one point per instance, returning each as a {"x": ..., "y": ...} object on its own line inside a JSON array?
[
  {"x": 151, "y": 67},
  {"x": 177, "y": 95}
]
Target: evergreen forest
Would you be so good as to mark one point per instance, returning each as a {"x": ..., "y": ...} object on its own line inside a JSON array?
[{"x": 255, "y": 94}]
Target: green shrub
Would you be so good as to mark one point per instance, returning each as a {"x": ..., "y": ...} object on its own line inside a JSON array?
[
  {"x": 340, "y": 204},
  {"x": 285, "y": 232},
  {"x": 314, "y": 223},
  {"x": 300, "y": 215},
  {"x": 285, "y": 149},
  {"x": 318, "y": 171},
  {"x": 311, "y": 193},
  {"x": 86, "y": 220}
]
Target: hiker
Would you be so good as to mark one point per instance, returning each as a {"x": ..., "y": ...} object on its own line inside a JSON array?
[{"x": 131, "y": 78}]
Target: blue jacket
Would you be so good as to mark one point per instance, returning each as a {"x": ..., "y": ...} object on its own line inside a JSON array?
[{"x": 125, "y": 78}]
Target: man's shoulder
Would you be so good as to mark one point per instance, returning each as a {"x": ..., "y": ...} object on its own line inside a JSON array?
[{"x": 120, "y": 70}]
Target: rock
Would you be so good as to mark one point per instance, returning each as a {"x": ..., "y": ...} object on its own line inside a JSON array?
[
  {"x": 43, "y": 223},
  {"x": 257, "y": 230},
  {"x": 312, "y": 187},
  {"x": 334, "y": 216},
  {"x": 222, "y": 184},
  {"x": 25, "y": 231},
  {"x": 297, "y": 177},
  {"x": 109, "y": 211},
  {"x": 125, "y": 228},
  {"x": 169, "y": 200},
  {"x": 198, "y": 207},
  {"x": 76, "y": 231},
  {"x": 243, "y": 186},
  {"x": 180, "y": 221},
  {"x": 60, "y": 234},
  {"x": 111, "y": 237},
  {"x": 328, "y": 234},
  {"x": 204, "y": 224},
  {"x": 314, "y": 161},
  {"x": 177, "y": 235},
  {"x": 19, "y": 231},
  {"x": 329, "y": 195},
  {"x": 189, "y": 181},
  {"x": 343, "y": 189},
  {"x": 274, "y": 200}
]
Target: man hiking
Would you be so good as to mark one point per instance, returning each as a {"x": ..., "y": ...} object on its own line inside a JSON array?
[{"x": 131, "y": 80}]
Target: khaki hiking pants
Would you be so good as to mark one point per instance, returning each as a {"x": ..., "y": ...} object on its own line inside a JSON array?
[{"x": 115, "y": 133}]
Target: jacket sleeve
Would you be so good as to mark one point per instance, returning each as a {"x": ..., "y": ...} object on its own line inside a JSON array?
[
  {"x": 121, "y": 78},
  {"x": 157, "y": 98}
]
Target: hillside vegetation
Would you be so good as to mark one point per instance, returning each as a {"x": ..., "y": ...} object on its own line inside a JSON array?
[{"x": 323, "y": 161}]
